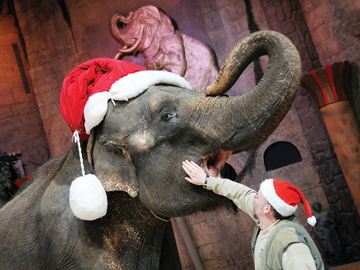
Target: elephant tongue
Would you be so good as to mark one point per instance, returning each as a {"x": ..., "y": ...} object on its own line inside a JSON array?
[
  {"x": 213, "y": 171},
  {"x": 215, "y": 162}
]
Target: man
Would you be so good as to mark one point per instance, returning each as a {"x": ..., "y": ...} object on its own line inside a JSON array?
[{"x": 279, "y": 241}]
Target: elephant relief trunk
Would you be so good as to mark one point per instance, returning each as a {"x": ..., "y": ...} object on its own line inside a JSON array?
[
  {"x": 131, "y": 48},
  {"x": 118, "y": 24},
  {"x": 257, "y": 113}
]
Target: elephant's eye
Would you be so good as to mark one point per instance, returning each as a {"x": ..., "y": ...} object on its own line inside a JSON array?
[{"x": 166, "y": 116}]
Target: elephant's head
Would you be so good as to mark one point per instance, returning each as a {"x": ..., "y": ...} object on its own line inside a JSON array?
[
  {"x": 136, "y": 31},
  {"x": 141, "y": 143}
]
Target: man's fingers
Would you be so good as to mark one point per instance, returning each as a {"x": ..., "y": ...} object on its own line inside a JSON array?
[
  {"x": 195, "y": 165},
  {"x": 192, "y": 166},
  {"x": 188, "y": 167},
  {"x": 186, "y": 164},
  {"x": 194, "y": 172},
  {"x": 188, "y": 179},
  {"x": 190, "y": 163},
  {"x": 192, "y": 176},
  {"x": 193, "y": 181}
]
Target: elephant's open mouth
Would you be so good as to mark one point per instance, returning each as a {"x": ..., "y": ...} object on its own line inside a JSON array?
[{"x": 213, "y": 163}]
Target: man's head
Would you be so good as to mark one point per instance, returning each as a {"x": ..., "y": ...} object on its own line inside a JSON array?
[
  {"x": 283, "y": 197},
  {"x": 262, "y": 208}
]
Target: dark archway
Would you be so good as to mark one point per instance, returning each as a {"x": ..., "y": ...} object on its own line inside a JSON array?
[{"x": 281, "y": 154}]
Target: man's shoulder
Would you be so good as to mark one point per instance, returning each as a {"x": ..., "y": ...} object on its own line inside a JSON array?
[
  {"x": 282, "y": 236},
  {"x": 285, "y": 233}
]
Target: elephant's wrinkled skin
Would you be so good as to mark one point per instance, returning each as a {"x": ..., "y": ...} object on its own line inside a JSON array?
[{"x": 138, "y": 148}]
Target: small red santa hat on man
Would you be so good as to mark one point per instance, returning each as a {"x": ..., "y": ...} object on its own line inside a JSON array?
[
  {"x": 285, "y": 197},
  {"x": 84, "y": 99}
]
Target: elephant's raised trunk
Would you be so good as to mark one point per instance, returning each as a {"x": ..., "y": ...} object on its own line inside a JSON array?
[{"x": 257, "y": 113}]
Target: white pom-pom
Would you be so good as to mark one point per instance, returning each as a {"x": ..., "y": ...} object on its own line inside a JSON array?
[
  {"x": 311, "y": 220},
  {"x": 87, "y": 198}
]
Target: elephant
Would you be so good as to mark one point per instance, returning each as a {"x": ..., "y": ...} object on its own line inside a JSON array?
[
  {"x": 136, "y": 152},
  {"x": 149, "y": 31}
]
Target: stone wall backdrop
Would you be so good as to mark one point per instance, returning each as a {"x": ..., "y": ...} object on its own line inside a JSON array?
[
  {"x": 52, "y": 37},
  {"x": 318, "y": 174},
  {"x": 21, "y": 128}
]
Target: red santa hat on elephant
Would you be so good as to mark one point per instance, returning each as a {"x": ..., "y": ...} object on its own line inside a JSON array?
[{"x": 85, "y": 94}]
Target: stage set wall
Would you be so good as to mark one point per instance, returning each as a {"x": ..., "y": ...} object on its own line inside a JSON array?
[{"x": 41, "y": 41}]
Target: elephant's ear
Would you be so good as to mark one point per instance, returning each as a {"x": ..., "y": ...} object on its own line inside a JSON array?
[{"x": 112, "y": 166}]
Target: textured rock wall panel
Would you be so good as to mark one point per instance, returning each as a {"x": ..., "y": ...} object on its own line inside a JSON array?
[
  {"x": 334, "y": 28},
  {"x": 51, "y": 53},
  {"x": 20, "y": 123},
  {"x": 313, "y": 37}
]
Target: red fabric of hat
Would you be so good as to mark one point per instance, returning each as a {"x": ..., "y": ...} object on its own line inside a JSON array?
[
  {"x": 93, "y": 76},
  {"x": 285, "y": 197},
  {"x": 289, "y": 193}
]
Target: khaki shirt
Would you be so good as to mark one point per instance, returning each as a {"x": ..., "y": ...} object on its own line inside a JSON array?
[{"x": 296, "y": 256}]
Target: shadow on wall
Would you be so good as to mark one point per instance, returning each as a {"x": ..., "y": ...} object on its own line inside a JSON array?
[{"x": 325, "y": 229}]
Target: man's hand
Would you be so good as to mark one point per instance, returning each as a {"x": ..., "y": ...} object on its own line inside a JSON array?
[{"x": 196, "y": 174}]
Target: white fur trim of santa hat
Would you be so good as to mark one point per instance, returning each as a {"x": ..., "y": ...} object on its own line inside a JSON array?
[
  {"x": 268, "y": 190},
  {"x": 284, "y": 197},
  {"x": 127, "y": 87}
]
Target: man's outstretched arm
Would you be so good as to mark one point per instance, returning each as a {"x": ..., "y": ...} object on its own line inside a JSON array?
[{"x": 240, "y": 194}]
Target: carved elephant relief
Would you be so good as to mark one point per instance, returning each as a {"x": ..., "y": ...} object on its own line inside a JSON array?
[{"x": 150, "y": 32}]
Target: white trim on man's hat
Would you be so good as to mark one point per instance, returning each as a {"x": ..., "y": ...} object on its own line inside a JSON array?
[{"x": 268, "y": 190}]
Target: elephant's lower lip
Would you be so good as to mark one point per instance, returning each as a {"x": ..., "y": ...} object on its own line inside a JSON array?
[{"x": 214, "y": 162}]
